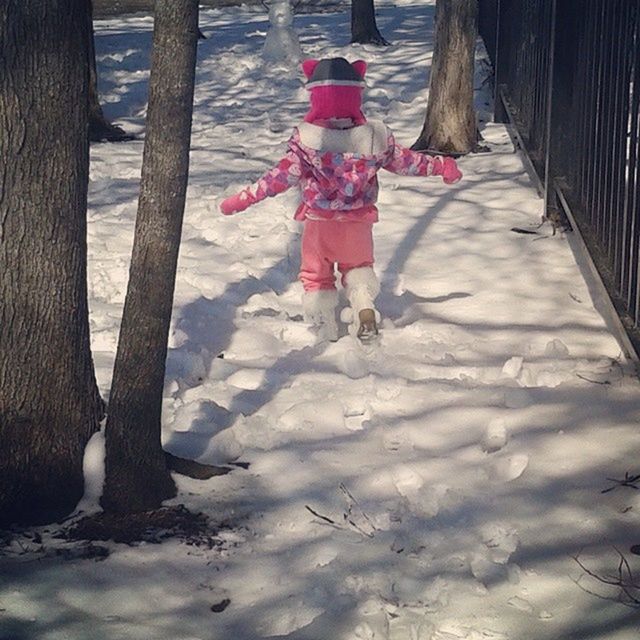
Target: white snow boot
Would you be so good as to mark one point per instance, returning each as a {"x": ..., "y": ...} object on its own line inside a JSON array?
[
  {"x": 362, "y": 287},
  {"x": 320, "y": 311}
]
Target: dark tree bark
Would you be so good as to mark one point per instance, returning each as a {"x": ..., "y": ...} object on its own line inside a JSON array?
[
  {"x": 450, "y": 123},
  {"x": 137, "y": 478},
  {"x": 49, "y": 401},
  {"x": 364, "y": 29},
  {"x": 100, "y": 129}
]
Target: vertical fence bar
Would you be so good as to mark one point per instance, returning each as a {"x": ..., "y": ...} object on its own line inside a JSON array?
[
  {"x": 621, "y": 119},
  {"x": 582, "y": 78},
  {"x": 595, "y": 185},
  {"x": 633, "y": 208},
  {"x": 589, "y": 98},
  {"x": 630, "y": 164},
  {"x": 604, "y": 206},
  {"x": 549, "y": 194},
  {"x": 578, "y": 119}
]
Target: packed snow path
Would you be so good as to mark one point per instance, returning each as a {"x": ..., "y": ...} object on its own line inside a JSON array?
[{"x": 433, "y": 487}]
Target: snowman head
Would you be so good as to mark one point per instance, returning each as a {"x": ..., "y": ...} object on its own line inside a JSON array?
[{"x": 280, "y": 14}]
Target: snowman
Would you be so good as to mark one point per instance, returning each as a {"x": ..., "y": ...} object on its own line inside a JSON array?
[{"x": 281, "y": 46}]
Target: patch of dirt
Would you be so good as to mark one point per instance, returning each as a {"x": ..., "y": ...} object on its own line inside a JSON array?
[
  {"x": 149, "y": 526},
  {"x": 87, "y": 538}
]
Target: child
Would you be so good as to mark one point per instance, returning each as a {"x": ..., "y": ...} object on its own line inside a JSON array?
[{"x": 333, "y": 158}]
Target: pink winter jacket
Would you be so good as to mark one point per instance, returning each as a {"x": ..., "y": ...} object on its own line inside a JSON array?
[{"x": 336, "y": 170}]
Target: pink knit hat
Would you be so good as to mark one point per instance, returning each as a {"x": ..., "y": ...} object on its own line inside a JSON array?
[{"x": 335, "y": 86}]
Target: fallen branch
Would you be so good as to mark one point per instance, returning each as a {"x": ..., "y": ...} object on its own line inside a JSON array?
[
  {"x": 352, "y": 502},
  {"x": 319, "y": 515},
  {"x": 524, "y": 231},
  {"x": 350, "y": 517},
  {"x": 627, "y": 584},
  {"x": 605, "y": 382},
  {"x": 628, "y": 481}
]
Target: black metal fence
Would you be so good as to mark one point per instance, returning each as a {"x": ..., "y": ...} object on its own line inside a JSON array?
[
  {"x": 488, "y": 24},
  {"x": 567, "y": 77}
]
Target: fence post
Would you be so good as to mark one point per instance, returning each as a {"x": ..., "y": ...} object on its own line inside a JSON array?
[
  {"x": 499, "y": 111},
  {"x": 551, "y": 209}
]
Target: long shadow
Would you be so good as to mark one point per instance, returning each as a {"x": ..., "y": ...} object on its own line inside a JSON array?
[
  {"x": 105, "y": 193},
  {"x": 392, "y": 305}
]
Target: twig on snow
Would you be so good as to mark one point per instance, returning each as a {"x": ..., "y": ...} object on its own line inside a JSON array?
[
  {"x": 625, "y": 581},
  {"x": 605, "y": 382},
  {"x": 319, "y": 515},
  {"x": 350, "y": 518},
  {"x": 352, "y": 502},
  {"x": 628, "y": 481}
]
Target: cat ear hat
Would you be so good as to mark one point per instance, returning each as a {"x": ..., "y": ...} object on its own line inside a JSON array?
[{"x": 335, "y": 89}]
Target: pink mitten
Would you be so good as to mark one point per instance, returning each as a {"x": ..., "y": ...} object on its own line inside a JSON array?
[
  {"x": 238, "y": 202},
  {"x": 447, "y": 168},
  {"x": 450, "y": 172}
]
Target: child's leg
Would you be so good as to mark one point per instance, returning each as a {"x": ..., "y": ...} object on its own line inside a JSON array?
[
  {"x": 320, "y": 312},
  {"x": 317, "y": 263},
  {"x": 359, "y": 278},
  {"x": 362, "y": 287},
  {"x": 320, "y": 297}
]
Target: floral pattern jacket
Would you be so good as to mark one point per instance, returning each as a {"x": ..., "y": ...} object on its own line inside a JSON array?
[{"x": 337, "y": 178}]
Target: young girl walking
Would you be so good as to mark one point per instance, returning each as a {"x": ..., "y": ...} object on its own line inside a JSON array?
[{"x": 333, "y": 158}]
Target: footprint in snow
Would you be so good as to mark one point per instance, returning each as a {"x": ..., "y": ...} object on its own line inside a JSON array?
[
  {"x": 454, "y": 631},
  {"x": 398, "y": 441},
  {"x": 517, "y": 399},
  {"x": 410, "y": 625},
  {"x": 556, "y": 349},
  {"x": 281, "y": 621},
  {"x": 356, "y": 416},
  {"x": 520, "y": 604}
]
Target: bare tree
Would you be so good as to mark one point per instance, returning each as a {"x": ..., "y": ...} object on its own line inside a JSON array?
[
  {"x": 137, "y": 478},
  {"x": 450, "y": 122},
  {"x": 49, "y": 401},
  {"x": 364, "y": 29}
]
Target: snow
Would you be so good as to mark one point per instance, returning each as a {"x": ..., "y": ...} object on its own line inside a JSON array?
[{"x": 455, "y": 468}]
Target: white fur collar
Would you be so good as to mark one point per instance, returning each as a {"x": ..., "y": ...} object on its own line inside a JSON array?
[{"x": 366, "y": 139}]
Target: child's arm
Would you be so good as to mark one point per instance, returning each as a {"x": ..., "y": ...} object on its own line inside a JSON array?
[
  {"x": 411, "y": 163},
  {"x": 283, "y": 176}
]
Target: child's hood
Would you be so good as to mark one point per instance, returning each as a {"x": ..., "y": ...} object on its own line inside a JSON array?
[{"x": 335, "y": 89}]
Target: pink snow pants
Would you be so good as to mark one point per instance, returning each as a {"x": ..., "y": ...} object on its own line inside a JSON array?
[{"x": 326, "y": 243}]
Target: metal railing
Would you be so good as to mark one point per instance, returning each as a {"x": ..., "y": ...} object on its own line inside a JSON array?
[{"x": 567, "y": 78}]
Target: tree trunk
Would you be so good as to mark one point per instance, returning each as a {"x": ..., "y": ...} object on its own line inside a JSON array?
[
  {"x": 49, "y": 401},
  {"x": 137, "y": 478},
  {"x": 363, "y": 24},
  {"x": 450, "y": 123},
  {"x": 100, "y": 129}
]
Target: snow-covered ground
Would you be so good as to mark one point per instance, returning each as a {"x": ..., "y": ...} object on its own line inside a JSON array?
[{"x": 461, "y": 461}]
